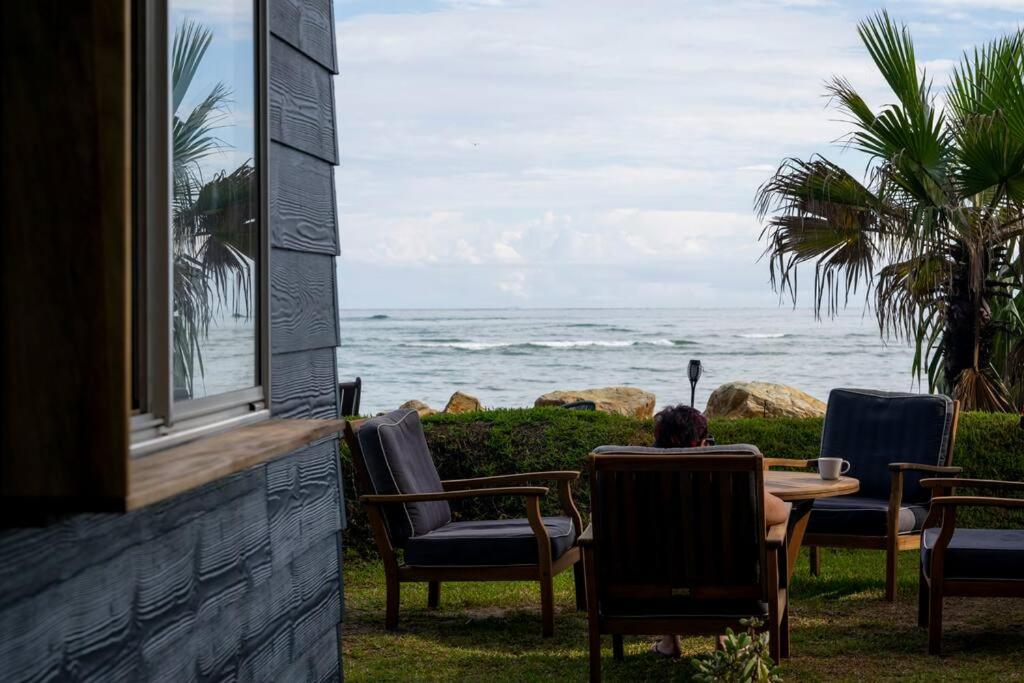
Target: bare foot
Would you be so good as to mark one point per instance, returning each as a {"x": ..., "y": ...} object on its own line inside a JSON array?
[{"x": 667, "y": 646}]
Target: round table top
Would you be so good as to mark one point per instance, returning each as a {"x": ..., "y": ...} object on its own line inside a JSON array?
[{"x": 807, "y": 485}]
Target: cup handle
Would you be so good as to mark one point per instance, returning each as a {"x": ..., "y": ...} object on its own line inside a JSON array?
[{"x": 845, "y": 467}]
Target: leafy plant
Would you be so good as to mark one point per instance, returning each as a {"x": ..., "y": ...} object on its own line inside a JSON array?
[
  {"x": 934, "y": 233},
  {"x": 213, "y": 220},
  {"x": 743, "y": 658}
]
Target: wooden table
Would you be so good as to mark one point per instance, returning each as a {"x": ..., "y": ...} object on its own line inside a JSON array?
[{"x": 802, "y": 489}]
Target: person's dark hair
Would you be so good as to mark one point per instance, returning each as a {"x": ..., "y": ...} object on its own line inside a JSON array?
[{"x": 679, "y": 427}]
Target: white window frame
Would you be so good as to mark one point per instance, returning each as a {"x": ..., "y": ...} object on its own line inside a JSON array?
[{"x": 160, "y": 421}]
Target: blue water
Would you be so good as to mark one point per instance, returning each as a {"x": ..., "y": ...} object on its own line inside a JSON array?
[{"x": 509, "y": 357}]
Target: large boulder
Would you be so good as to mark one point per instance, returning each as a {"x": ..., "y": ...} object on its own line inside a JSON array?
[
  {"x": 761, "y": 399},
  {"x": 463, "y": 403},
  {"x": 419, "y": 406},
  {"x": 628, "y": 401}
]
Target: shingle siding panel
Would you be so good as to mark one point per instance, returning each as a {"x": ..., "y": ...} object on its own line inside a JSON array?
[
  {"x": 306, "y": 25},
  {"x": 301, "y": 102}
]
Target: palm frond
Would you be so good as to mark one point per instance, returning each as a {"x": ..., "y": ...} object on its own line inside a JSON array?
[
  {"x": 191, "y": 41},
  {"x": 823, "y": 215}
]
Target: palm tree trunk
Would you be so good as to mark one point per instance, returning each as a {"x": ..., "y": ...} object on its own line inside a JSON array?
[{"x": 967, "y": 345}]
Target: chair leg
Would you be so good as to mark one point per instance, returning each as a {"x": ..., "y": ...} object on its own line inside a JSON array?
[
  {"x": 815, "y": 560},
  {"x": 934, "y": 621},
  {"x": 595, "y": 653},
  {"x": 391, "y": 611},
  {"x": 617, "y": 651},
  {"x": 580, "y": 581},
  {"x": 547, "y": 606},
  {"x": 922, "y": 600},
  {"x": 891, "y": 557},
  {"x": 784, "y": 633},
  {"x": 775, "y": 640},
  {"x": 433, "y": 594}
]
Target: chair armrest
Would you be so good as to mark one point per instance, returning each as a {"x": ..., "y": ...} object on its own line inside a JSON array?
[
  {"x": 534, "y": 491},
  {"x": 776, "y": 536},
  {"x": 934, "y": 469},
  {"x": 504, "y": 479},
  {"x": 789, "y": 462},
  {"x": 943, "y": 483},
  {"x": 587, "y": 537},
  {"x": 978, "y": 501}
]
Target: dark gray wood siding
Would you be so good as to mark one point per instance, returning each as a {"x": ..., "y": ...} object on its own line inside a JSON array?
[
  {"x": 240, "y": 579},
  {"x": 304, "y": 315},
  {"x": 236, "y": 580}
]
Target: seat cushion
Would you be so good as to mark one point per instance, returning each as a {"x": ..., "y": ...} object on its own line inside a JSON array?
[
  {"x": 488, "y": 542},
  {"x": 874, "y": 428},
  {"x": 978, "y": 554},
  {"x": 398, "y": 461},
  {"x": 720, "y": 449},
  {"x": 860, "y": 516}
]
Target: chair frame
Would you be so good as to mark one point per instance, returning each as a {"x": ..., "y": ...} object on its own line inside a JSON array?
[
  {"x": 774, "y": 542},
  {"x": 934, "y": 586},
  {"x": 543, "y": 572},
  {"x": 893, "y": 541},
  {"x": 355, "y": 387}
]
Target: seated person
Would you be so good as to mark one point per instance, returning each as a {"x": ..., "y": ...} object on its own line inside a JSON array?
[{"x": 684, "y": 427}]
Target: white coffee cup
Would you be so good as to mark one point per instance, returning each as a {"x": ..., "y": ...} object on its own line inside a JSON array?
[{"x": 832, "y": 468}]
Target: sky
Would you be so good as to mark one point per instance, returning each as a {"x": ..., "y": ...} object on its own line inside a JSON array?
[{"x": 588, "y": 153}]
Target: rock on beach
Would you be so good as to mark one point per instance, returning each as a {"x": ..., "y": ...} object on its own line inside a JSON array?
[
  {"x": 762, "y": 399},
  {"x": 628, "y": 401}
]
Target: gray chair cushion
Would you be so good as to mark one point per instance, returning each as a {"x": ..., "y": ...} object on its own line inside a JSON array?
[
  {"x": 720, "y": 449},
  {"x": 978, "y": 554},
  {"x": 874, "y": 428},
  {"x": 860, "y": 516},
  {"x": 499, "y": 542},
  {"x": 399, "y": 461}
]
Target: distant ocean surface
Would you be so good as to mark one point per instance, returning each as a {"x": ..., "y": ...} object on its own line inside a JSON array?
[{"x": 509, "y": 357}]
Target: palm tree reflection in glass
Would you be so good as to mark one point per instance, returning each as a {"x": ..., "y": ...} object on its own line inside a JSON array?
[{"x": 214, "y": 218}]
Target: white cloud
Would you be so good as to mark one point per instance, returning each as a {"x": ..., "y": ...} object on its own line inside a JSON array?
[{"x": 515, "y": 147}]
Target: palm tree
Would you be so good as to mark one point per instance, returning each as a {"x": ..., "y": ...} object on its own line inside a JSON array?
[
  {"x": 934, "y": 233},
  {"x": 214, "y": 220}
]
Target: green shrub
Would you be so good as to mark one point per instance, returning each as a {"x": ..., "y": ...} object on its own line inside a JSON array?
[{"x": 522, "y": 440}]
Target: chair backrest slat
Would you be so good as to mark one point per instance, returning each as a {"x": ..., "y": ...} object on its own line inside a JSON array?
[{"x": 676, "y": 523}]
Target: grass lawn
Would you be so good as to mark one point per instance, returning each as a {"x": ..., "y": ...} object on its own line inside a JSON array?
[{"x": 841, "y": 630}]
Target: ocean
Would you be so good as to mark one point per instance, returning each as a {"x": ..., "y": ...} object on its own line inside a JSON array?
[{"x": 509, "y": 357}]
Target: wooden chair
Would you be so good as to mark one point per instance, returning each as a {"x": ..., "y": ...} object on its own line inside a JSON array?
[
  {"x": 677, "y": 544},
  {"x": 966, "y": 562},
  {"x": 891, "y": 441},
  {"x": 407, "y": 505},
  {"x": 349, "y": 394}
]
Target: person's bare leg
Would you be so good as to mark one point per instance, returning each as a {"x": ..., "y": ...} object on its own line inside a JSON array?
[
  {"x": 776, "y": 510},
  {"x": 667, "y": 646}
]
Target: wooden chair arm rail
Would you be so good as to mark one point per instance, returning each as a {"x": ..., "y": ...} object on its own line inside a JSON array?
[
  {"x": 587, "y": 537},
  {"x": 978, "y": 501},
  {"x": 453, "y": 495},
  {"x": 776, "y": 536},
  {"x": 936, "y": 469},
  {"x": 789, "y": 462},
  {"x": 943, "y": 482},
  {"x": 555, "y": 475}
]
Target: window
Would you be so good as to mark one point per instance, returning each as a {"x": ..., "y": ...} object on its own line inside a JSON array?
[{"x": 200, "y": 290}]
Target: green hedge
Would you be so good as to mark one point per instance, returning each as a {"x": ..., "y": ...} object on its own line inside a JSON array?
[{"x": 505, "y": 441}]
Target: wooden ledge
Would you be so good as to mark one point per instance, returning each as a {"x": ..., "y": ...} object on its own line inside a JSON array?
[{"x": 161, "y": 475}]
